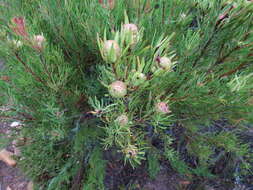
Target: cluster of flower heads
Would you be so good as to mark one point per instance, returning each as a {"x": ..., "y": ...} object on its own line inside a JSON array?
[
  {"x": 18, "y": 26},
  {"x": 111, "y": 52}
]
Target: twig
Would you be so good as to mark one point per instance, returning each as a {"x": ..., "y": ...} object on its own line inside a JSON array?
[
  {"x": 14, "y": 118},
  {"x": 233, "y": 70},
  {"x": 76, "y": 184},
  {"x": 29, "y": 69},
  {"x": 179, "y": 98},
  {"x": 115, "y": 71},
  {"x": 218, "y": 23},
  {"x": 222, "y": 59},
  {"x": 44, "y": 65},
  {"x": 204, "y": 48},
  {"x": 163, "y": 13}
]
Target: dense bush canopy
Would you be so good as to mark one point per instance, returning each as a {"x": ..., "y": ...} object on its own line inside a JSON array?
[{"x": 150, "y": 81}]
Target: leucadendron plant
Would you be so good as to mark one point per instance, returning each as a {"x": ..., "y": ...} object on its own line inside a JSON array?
[{"x": 132, "y": 84}]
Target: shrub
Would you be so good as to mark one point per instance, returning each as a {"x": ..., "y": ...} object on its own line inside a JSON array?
[{"x": 91, "y": 76}]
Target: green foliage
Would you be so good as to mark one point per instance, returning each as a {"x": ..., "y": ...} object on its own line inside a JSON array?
[
  {"x": 187, "y": 64},
  {"x": 96, "y": 171},
  {"x": 63, "y": 176},
  {"x": 153, "y": 164},
  {"x": 174, "y": 158}
]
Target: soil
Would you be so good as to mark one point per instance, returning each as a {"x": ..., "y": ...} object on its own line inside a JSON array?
[
  {"x": 123, "y": 176},
  {"x": 10, "y": 177},
  {"x": 165, "y": 181}
]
